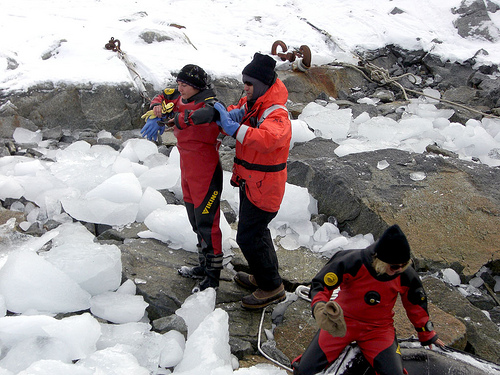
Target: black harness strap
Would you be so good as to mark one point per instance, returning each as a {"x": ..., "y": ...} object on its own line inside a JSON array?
[{"x": 260, "y": 167}]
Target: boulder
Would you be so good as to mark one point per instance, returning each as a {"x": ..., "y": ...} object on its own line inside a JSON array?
[{"x": 452, "y": 210}]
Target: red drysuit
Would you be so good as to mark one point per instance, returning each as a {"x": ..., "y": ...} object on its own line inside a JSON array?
[
  {"x": 201, "y": 171},
  {"x": 367, "y": 300}
]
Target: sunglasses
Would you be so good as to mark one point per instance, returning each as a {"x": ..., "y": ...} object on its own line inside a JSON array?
[{"x": 395, "y": 267}]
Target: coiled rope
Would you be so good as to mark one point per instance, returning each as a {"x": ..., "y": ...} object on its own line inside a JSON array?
[
  {"x": 381, "y": 76},
  {"x": 260, "y": 349},
  {"x": 301, "y": 291}
]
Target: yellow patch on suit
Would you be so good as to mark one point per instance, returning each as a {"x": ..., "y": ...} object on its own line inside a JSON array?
[{"x": 330, "y": 279}]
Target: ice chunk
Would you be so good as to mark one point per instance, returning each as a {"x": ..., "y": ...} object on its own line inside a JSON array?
[
  {"x": 151, "y": 349},
  {"x": 327, "y": 122},
  {"x": 10, "y": 188},
  {"x": 128, "y": 287},
  {"x": 33, "y": 349},
  {"x": 118, "y": 307},
  {"x": 450, "y": 276},
  {"x": 150, "y": 201},
  {"x": 417, "y": 176},
  {"x": 196, "y": 307},
  {"x": 138, "y": 149},
  {"x": 113, "y": 361},
  {"x": 119, "y": 188},
  {"x": 79, "y": 333},
  {"x": 207, "y": 349},
  {"x": 382, "y": 164},
  {"x": 24, "y": 136},
  {"x": 171, "y": 225},
  {"x": 300, "y": 132},
  {"x": 96, "y": 268},
  {"x": 100, "y": 211},
  {"x": 161, "y": 177},
  {"x": 46, "y": 289}
]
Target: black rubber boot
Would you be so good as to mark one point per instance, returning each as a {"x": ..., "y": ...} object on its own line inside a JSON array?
[
  {"x": 196, "y": 272},
  {"x": 210, "y": 281},
  {"x": 212, "y": 273}
]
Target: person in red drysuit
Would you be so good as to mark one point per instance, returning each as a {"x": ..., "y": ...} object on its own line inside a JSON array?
[
  {"x": 370, "y": 281},
  {"x": 201, "y": 171},
  {"x": 262, "y": 128}
]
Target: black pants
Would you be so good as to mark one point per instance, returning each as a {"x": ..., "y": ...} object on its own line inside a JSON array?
[{"x": 254, "y": 240}]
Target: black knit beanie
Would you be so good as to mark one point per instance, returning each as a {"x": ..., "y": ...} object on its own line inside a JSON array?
[
  {"x": 194, "y": 76},
  {"x": 393, "y": 247},
  {"x": 261, "y": 68}
]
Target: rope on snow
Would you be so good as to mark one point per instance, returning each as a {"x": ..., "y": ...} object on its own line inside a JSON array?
[
  {"x": 381, "y": 75},
  {"x": 114, "y": 45}
]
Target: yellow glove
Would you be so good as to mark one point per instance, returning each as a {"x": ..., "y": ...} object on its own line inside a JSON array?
[
  {"x": 165, "y": 108},
  {"x": 330, "y": 318},
  {"x": 148, "y": 115}
]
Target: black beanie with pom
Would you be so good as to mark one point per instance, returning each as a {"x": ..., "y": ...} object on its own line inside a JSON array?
[
  {"x": 261, "y": 68},
  {"x": 393, "y": 247}
]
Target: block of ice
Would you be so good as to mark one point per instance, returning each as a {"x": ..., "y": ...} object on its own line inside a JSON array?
[
  {"x": 207, "y": 349},
  {"x": 196, "y": 307},
  {"x": 100, "y": 211},
  {"x": 113, "y": 361},
  {"x": 46, "y": 289},
  {"x": 171, "y": 225},
  {"x": 24, "y": 136},
  {"x": 137, "y": 149},
  {"x": 96, "y": 268},
  {"x": 150, "y": 201},
  {"x": 119, "y": 188},
  {"x": 118, "y": 307}
]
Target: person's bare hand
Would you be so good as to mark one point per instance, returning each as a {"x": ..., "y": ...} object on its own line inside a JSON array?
[
  {"x": 157, "y": 111},
  {"x": 439, "y": 343}
]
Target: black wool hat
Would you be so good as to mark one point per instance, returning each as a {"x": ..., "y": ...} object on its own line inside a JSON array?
[
  {"x": 393, "y": 247},
  {"x": 261, "y": 68},
  {"x": 194, "y": 76}
]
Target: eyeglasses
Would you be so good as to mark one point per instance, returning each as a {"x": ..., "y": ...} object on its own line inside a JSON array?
[
  {"x": 396, "y": 267},
  {"x": 248, "y": 83}
]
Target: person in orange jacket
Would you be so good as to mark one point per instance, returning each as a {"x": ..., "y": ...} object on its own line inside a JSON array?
[
  {"x": 370, "y": 281},
  {"x": 201, "y": 171},
  {"x": 262, "y": 128}
]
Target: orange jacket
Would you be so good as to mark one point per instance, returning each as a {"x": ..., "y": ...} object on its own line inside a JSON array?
[{"x": 262, "y": 148}]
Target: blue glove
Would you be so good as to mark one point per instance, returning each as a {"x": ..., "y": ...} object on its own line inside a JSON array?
[
  {"x": 151, "y": 129},
  {"x": 230, "y": 126},
  {"x": 237, "y": 114}
]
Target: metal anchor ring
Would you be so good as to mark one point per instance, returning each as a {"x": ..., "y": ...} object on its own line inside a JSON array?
[
  {"x": 113, "y": 45},
  {"x": 283, "y": 55}
]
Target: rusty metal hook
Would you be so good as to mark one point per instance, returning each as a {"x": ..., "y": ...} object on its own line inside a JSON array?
[
  {"x": 284, "y": 56},
  {"x": 113, "y": 45},
  {"x": 304, "y": 52}
]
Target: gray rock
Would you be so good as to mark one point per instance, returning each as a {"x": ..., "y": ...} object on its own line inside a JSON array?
[
  {"x": 365, "y": 199},
  {"x": 171, "y": 322},
  {"x": 9, "y": 123},
  {"x": 482, "y": 334},
  {"x": 475, "y": 22}
]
